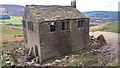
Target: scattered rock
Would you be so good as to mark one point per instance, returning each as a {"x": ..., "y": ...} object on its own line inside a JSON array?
[
  {"x": 33, "y": 61},
  {"x": 63, "y": 60},
  {"x": 95, "y": 43},
  {"x": 91, "y": 51},
  {"x": 29, "y": 63},
  {"x": 53, "y": 63},
  {"x": 72, "y": 56},
  {"x": 88, "y": 52},
  {"x": 37, "y": 65},
  {"x": 5, "y": 55},
  {"x": 8, "y": 62},
  {"x": 72, "y": 61},
  {"x": 48, "y": 64},
  {"x": 19, "y": 64},
  {"x": 12, "y": 63},
  {"x": 58, "y": 61},
  {"x": 66, "y": 62},
  {"x": 8, "y": 58},
  {"x": 19, "y": 61},
  {"x": 66, "y": 57}
]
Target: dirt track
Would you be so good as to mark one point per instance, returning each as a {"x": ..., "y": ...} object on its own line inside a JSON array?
[{"x": 11, "y": 38}]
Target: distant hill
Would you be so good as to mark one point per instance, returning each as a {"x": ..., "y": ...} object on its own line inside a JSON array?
[
  {"x": 95, "y": 16},
  {"x": 12, "y": 10},
  {"x": 103, "y": 16}
]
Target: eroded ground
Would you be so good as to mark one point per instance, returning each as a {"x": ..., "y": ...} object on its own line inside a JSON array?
[{"x": 109, "y": 53}]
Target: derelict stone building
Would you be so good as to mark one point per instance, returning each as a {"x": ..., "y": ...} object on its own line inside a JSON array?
[{"x": 52, "y": 30}]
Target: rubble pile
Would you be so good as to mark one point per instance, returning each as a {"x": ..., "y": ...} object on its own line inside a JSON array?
[
  {"x": 58, "y": 62},
  {"x": 20, "y": 57},
  {"x": 95, "y": 43},
  {"x": 11, "y": 56},
  {"x": 109, "y": 54}
]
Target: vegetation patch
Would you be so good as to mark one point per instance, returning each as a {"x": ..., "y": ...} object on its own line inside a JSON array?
[
  {"x": 11, "y": 30},
  {"x": 2, "y": 61},
  {"x": 111, "y": 27},
  {"x": 107, "y": 27},
  {"x": 79, "y": 58},
  {"x": 13, "y": 20},
  {"x": 11, "y": 33}
]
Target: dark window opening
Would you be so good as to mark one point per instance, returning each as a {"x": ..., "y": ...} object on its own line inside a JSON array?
[
  {"x": 30, "y": 25},
  {"x": 82, "y": 23},
  {"x": 52, "y": 27},
  {"x": 67, "y": 25},
  {"x": 24, "y": 23},
  {"x": 78, "y": 24},
  {"x": 63, "y": 25}
]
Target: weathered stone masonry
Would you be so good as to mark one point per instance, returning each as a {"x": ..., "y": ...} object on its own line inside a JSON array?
[{"x": 54, "y": 30}]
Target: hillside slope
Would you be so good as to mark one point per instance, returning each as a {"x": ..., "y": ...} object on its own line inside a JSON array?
[
  {"x": 103, "y": 16},
  {"x": 12, "y": 10}
]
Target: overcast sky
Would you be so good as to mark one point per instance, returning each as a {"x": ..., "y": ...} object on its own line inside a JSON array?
[{"x": 82, "y": 5}]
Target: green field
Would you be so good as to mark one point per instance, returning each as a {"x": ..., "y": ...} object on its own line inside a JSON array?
[
  {"x": 13, "y": 20},
  {"x": 111, "y": 27},
  {"x": 107, "y": 27},
  {"x": 8, "y": 33},
  {"x": 12, "y": 30}
]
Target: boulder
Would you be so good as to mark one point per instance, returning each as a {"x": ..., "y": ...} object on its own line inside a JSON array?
[
  {"x": 95, "y": 43},
  {"x": 102, "y": 40}
]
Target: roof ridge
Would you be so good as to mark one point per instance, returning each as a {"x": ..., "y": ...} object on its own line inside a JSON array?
[{"x": 55, "y": 12}]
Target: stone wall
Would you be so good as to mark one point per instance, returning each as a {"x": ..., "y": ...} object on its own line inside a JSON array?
[
  {"x": 77, "y": 36},
  {"x": 61, "y": 41},
  {"x": 32, "y": 36},
  {"x": 53, "y": 43}
]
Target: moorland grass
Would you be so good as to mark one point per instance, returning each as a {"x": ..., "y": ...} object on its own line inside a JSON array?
[
  {"x": 109, "y": 27},
  {"x": 13, "y": 20}
]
